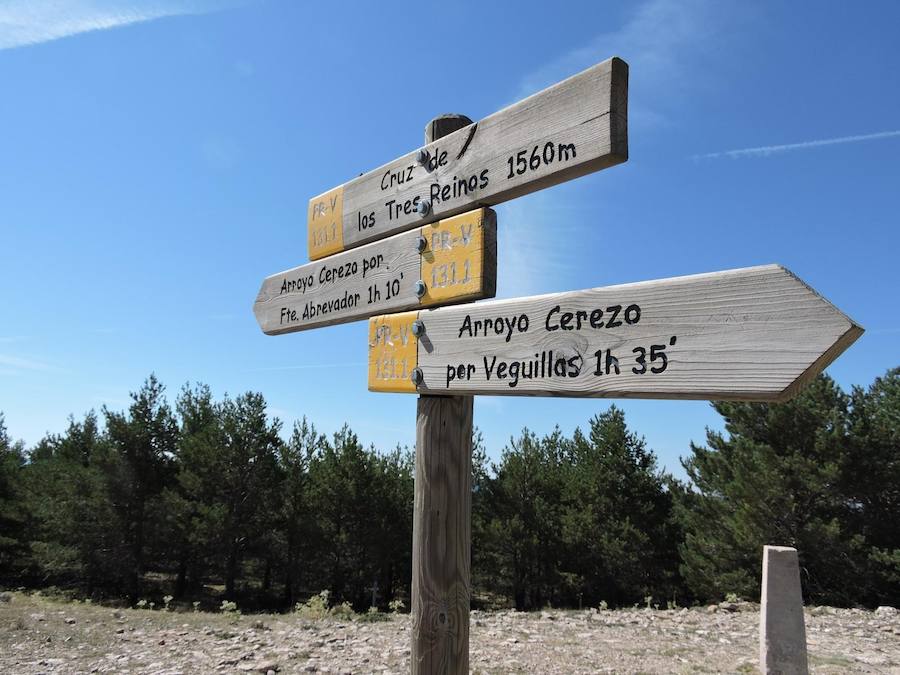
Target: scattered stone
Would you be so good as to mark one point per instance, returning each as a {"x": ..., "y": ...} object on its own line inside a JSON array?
[
  {"x": 886, "y": 610},
  {"x": 70, "y": 620},
  {"x": 6, "y": 597},
  {"x": 555, "y": 642}
]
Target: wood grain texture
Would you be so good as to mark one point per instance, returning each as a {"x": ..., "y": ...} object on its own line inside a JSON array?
[
  {"x": 753, "y": 334},
  {"x": 570, "y": 129},
  {"x": 458, "y": 264},
  {"x": 441, "y": 535},
  {"x": 441, "y": 584}
]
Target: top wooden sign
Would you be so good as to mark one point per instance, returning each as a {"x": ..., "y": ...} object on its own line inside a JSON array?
[{"x": 571, "y": 129}]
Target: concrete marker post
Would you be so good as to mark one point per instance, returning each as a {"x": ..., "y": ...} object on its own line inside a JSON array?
[{"x": 782, "y": 631}]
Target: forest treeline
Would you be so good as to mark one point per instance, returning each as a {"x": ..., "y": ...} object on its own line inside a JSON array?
[{"x": 206, "y": 499}]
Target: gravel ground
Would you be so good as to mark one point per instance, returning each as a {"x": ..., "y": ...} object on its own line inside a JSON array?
[{"x": 38, "y": 635}]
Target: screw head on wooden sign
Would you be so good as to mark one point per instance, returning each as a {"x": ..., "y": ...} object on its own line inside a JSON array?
[
  {"x": 573, "y": 128},
  {"x": 754, "y": 334},
  {"x": 451, "y": 260}
]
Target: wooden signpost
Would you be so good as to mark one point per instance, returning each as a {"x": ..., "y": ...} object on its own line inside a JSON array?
[
  {"x": 573, "y": 128},
  {"x": 448, "y": 261},
  {"x": 394, "y": 240},
  {"x": 754, "y": 334}
]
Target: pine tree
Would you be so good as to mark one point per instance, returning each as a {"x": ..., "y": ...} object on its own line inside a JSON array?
[
  {"x": 247, "y": 496},
  {"x": 144, "y": 442},
  {"x": 872, "y": 483},
  {"x": 773, "y": 479},
  {"x": 189, "y": 542},
  {"x": 341, "y": 496},
  {"x": 522, "y": 543},
  {"x": 76, "y": 531},
  {"x": 619, "y": 522},
  {"x": 13, "y": 513},
  {"x": 392, "y": 520},
  {"x": 296, "y": 518}
]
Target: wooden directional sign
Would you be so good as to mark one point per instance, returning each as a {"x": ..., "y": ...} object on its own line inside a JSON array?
[
  {"x": 754, "y": 334},
  {"x": 573, "y": 128},
  {"x": 452, "y": 260}
]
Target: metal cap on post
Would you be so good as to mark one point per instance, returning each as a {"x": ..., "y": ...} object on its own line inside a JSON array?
[{"x": 441, "y": 584}]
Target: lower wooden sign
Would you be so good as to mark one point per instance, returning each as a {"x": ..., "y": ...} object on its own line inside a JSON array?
[
  {"x": 451, "y": 260},
  {"x": 753, "y": 334}
]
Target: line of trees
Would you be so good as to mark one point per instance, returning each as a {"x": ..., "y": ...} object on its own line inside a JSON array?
[{"x": 208, "y": 499}]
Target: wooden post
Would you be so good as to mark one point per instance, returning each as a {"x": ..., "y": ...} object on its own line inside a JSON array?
[{"x": 441, "y": 553}]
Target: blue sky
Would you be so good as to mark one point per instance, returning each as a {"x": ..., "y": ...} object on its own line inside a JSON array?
[{"x": 157, "y": 159}]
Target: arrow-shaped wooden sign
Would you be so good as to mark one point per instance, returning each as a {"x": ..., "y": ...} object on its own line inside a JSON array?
[
  {"x": 573, "y": 128},
  {"x": 754, "y": 334},
  {"x": 452, "y": 260}
]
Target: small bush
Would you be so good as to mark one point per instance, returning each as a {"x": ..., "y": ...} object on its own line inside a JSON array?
[
  {"x": 396, "y": 605},
  {"x": 314, "y": 608},
  {"x": 372, "y": 615}
]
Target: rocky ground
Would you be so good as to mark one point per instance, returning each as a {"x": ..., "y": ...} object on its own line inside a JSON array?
[{"x": 38, "y": 635}]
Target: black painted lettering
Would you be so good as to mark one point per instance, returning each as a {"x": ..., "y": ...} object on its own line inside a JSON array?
[
  {"x": 547, "y": 325},
  {"x": 613, "y": 321},
  {"x": 489, "y": 368},
  {"x": 466, "y": 327},
  {"x": 632, "y": 314}
]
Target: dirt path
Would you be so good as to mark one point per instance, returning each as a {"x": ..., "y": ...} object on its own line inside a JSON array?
[{"x": 43, "y": 636}]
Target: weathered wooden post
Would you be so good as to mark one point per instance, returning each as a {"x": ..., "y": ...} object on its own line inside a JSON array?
[{"x": 442, "y": 516}]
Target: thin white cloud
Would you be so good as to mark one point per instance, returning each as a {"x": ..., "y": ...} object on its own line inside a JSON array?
[
  {"x": 660, "y": 42},
  {"x": 30, "y": 22},
  {"x": 769, "y": 150},
  {"x": 663, "y": 42},
  {"x": 19, "y": 363}
]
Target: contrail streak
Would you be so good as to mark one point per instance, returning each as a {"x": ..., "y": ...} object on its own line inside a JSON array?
[{"x": 768, "y": 150}]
